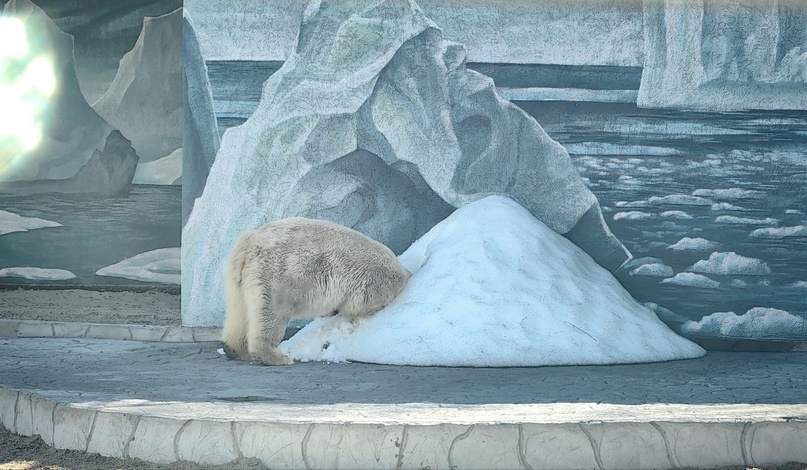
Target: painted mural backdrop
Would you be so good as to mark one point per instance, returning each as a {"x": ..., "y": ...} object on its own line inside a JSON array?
[
  {"x": 90, "y": 173},
  {"x": 686, "y": 123}
]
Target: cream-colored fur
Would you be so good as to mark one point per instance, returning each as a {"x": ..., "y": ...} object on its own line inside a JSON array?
[{"x": 302, "y": 268}]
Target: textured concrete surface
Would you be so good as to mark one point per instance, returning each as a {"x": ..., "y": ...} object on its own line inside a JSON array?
[
  {"x": 51, "y": 329},
  {"x": 166, "y": 402}
]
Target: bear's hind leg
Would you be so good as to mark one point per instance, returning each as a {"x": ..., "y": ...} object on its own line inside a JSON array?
[
  {"x": 234, "y": 333},
  {"x": 267, "y": 317}
]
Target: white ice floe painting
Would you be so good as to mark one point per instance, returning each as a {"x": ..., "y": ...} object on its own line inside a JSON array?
[
  {"x": 758, "y": 323},
  {"x": 493, "y": 286},
  {"x": 37, "y": 274},
  {"x": 11, "y": 222},
  {"x": 161, "y": 266}
]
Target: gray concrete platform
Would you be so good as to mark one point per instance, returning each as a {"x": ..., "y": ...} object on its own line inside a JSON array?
[{"x": 165, "y": 402}]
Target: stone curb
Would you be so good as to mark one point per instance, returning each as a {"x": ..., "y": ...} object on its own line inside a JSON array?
[
  {"x": 56, "y": 329},
  {"x": 282, "y": 445}
]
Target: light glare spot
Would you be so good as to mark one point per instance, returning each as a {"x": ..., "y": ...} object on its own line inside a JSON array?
[
  {"x": 27, "y": 81},
  {"x": 13, "y": 42}
]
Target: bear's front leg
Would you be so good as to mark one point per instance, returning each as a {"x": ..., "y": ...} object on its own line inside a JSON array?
[{"x": 267, "y": 315}]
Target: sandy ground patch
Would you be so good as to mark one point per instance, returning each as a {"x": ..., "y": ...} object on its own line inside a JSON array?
[{"x": 150, "y": 307}]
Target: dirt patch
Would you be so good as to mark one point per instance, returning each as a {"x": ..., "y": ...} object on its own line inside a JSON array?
[
  {"x": 151, "y": 307},
  {"x": 31, "y": 453}
]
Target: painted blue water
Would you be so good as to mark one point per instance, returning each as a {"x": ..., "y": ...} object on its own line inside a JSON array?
[
  {"x": 630, "y": 156},
  {"x": 96, "y": 232}
]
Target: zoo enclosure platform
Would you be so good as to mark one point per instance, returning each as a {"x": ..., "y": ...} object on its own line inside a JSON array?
[{"x": 166, "y": 402}]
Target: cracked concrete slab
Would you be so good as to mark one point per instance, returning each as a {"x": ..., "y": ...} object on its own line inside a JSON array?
[{"x": 165, "y": 402}]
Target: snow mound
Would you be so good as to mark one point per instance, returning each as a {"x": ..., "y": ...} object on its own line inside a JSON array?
[
  {"x": 731, "y": 193},
  {"x": 679, "y": 215},
  {"x": 732, "y": 220},
  {"x": 494, "y": 287},
  {"x": 693, "y": 244},
  {"x": 730, "y": 263},
  {"x": 161, "y": 265},
  {"x": 794, "y": 212},
  {"x": 11, "y": 222},
  {"x": 758, "y": 323},
  {"x": 798, "y": 285},
  {"x": 166, "y": 170},
  {"x": 633, "y": 215},
  {"x": 781, "y": 232},
  {"x": 37, "y": 274},
  {"x": 692, "y": 280},
  {"x": 680, "y": 200}
]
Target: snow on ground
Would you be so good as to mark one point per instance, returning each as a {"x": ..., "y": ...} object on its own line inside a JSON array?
[
  {"x": 493, "y": 286},
  {"x": 653, "y": 270},
  {"x": 798, "y": 285},
  {"x": 730, "y": 193},
  {"x": 758, "y": 323},
  {"x": 739, "y": 283},
  {"x": 693, "y": 244},
  {"x": 161, "y": 265},
  {"x": 604, "y": 148},
  {"x": 680, "y": 215},
  {"x": 794, "y": 212},
  {"x": 692, "y": 280},
  {"x": 37, "y": 274},
  {"x": 730, "y": 263},
  {"x": 680, "y": 200},
  {"x": 633, "y": 215},
  {"x": 725, "y": 206},
  {"x": 781, "y": 232},
  {"x": 732, "y": 220},
  {"x": 11, "y": 222}
]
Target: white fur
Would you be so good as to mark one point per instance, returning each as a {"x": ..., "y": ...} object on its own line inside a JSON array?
[{"x": 302, "y": 268}]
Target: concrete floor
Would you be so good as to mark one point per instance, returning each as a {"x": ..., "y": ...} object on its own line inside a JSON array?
[{"x": 164, "y": 402}]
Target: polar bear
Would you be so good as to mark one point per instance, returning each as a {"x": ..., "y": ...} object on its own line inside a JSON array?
[{"x": 304, "y": 268}]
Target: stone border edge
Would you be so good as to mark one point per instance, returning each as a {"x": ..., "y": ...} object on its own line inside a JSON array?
[
  {"x": 312, "y": 445},
  {"x": 155, "y": 333}
]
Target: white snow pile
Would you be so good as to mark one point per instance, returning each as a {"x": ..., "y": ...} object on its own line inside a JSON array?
[
  {"x": 680, "y": 215},
  {"x": 730, "y": 193},
  {"x": 653, "y": 270},
  {"x": 491, "y": 287},
  {"x": 11, "y": 222},
  {"x": 680, "y": 200},
  {"x": 37, "y": 274},
  {"x": 633, "y": 215},
  {"x": 166, "y": 170},
  {"x": 758, "y": 323},
  {"x": 692, "y": 280},
  {"x": 794, "y": 212},
  {"x": 781, "y": 232},
  {"x": 725, "y": 206},
  {"x": 693, "y": 244},
  {"x": 798, "y": 285},
  {"x": 732, "y": 220},
  {"x": 161, "y": 265},
  {"x": 730, "y": 263}
]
